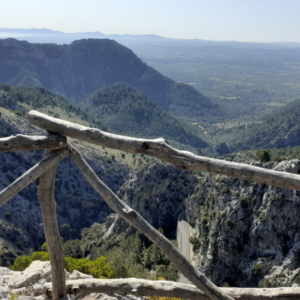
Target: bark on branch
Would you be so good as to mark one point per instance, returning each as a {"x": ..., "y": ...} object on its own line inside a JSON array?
[
  {"x": 22, "y": 142},
  {"x": 160, "y": 149},
  {"x": 150, "y": 288},
  {"x": 133, "y": 218},
  {"x": 32, "y": 174}
]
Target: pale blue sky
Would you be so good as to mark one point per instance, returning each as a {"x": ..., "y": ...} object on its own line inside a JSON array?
[{"x": 223, "y": 20}]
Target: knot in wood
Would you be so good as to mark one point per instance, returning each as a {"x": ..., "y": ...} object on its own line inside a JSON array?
[
  {"x": 130, "y": 212},
  {"x": 145, "y": 146}
]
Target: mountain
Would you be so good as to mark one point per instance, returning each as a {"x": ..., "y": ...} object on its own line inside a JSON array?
[
  {"x": 279, "y": 130},
  {"x": 44, "y": 35},
  {"x": 128, "y": 111},
  {"x": 81, "y": 68},
  {"x": 20, "y": 100},
  {"x": 244, "y": 234},
  {"x": 77, "y": 204}
]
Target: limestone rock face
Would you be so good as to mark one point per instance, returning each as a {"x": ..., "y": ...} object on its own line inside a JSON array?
[
  {"x": 246, "y": 233},
  {"x": 158, "y": 192}
]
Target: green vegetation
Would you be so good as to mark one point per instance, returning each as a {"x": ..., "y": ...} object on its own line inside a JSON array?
[
  {"x": 127, "y": 258},
  {"x": 278, "y": 280},
  {"x": 132, "y": 258},
  {"x": 128, "y": 111},
  {"x": 97, "y": 268},
  {"x": 263, "y": 155},
  {"x": 13, "y": 296},
  {"x": 279, "y": 130},
  {"x": 226, "y": 284},
  {"x": 21, "y": 263},
  {"x": 273, "y": 154},
  {"x": 256, "y": 270},
  {"x": 230, "y": 223},
  {"x": 196, "y": 242},
  {"x": 20, "y": 100}
]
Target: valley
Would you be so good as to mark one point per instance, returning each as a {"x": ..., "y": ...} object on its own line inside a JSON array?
[{"x": 224, "y": 100}]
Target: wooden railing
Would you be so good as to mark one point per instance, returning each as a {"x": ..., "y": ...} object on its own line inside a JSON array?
[{"x": 57, "y": 148}]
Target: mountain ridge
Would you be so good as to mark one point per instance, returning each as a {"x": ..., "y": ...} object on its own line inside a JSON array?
[
  {"x": 79, "y": 69},
  {"x": 63, "y": 37}
]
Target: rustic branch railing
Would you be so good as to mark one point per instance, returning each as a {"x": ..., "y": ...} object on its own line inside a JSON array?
[
  {"x": 45, "y": 171},
  {"x": 151, "y": 288}
]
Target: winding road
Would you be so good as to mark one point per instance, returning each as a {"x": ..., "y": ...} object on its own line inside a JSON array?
[{"x": 183, "y": 239}]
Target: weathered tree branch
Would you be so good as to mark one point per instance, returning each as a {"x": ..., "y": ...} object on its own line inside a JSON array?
[
  {"x": 32, "y": 174},
  {"x": 160, "y": 149},
  {"x": 45, "y": 187},
  {"x": 150, "y": 288},
  {"x": 134, "y": 286},
  {"x": 133, "y": 218},
  {"x": 22, "y": 142}
]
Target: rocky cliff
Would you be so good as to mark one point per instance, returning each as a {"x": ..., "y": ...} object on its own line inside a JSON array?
[{"x": 246, "y": 233}]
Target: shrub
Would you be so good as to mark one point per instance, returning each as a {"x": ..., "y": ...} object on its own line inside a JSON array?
[
  {"x": 204, "y": 220},
  {"x": 256, "y": 270},
  {"x": 196, "y": 242},
  {"x": 44, "y": 247},
  {"x": 43, "y": 256},
  {"x": 230, "y": 223},
  {"x": 263, "y": 155},
  {"x": 21, "y": 263},
  {"x": 13, "y": 296},
  {"x": 97, "y": 268}
]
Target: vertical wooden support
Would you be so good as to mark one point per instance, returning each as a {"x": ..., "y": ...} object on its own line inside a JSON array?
[{"x": 45, "y": 186}]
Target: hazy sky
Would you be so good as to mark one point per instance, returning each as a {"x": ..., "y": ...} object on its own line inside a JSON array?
[{"x": 240, "y": 20}]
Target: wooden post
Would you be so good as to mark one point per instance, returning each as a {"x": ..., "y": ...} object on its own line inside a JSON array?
[
  {"x": 45, "y": 186},
  {"x": 32, "y": 174},
  {"x": 160, "y": 149},
  {"x": 133, "y": 218}
]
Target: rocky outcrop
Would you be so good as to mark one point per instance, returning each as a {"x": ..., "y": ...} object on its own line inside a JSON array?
[
  {"x": 157, "y": 192},
  {"x": 246, "y": 233},
  {"x": 78, "y": 205},
  {"x": 30, "y": 284}
]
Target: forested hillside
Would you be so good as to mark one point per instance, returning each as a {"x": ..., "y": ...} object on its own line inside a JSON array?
[
  {"x": 81, "y": 68},
  {"x": 120, "y": 109},
  {"x": 279, "y": 130},
  {"x": 128, "y": 111}
]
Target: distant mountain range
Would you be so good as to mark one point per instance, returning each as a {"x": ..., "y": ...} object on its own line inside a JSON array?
[
  {"x": 81, "y": 68},
  {"x": 119, "y": 91},
  {"x": 44, "y": 35}
]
